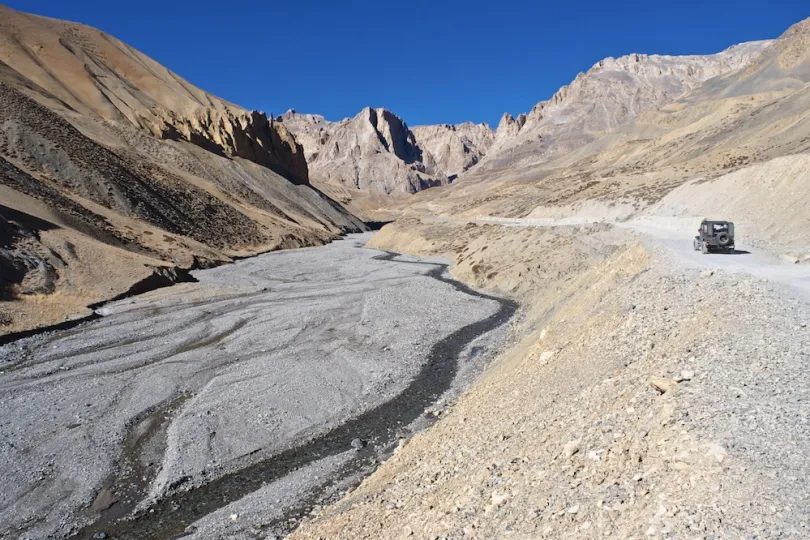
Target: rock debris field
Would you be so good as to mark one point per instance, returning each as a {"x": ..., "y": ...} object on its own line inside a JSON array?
[{"x": 283, "y": 376}]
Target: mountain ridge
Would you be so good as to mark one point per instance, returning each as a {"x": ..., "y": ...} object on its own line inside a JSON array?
[
  {"x": 92, "y": 73},
  {"x": 114, "y": 169}
]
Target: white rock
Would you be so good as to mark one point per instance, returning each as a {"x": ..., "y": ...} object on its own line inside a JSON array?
[
  {"x": 570, "y": 448},
  {"x": 498, "y": 499}
]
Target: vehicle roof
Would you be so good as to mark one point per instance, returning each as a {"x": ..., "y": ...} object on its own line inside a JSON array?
[{"x": 716, "y": 221}]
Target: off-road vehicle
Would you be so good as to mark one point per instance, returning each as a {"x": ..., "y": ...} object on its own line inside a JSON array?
[{"x": 714, "y": 237}]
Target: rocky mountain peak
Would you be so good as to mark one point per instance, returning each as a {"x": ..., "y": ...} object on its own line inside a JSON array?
[
  {"x": 393, "y": 133},
  {"x": 455, "y": 148},
  {"x": 612, "y": 92},
  {"x": 374, "y": 150}
]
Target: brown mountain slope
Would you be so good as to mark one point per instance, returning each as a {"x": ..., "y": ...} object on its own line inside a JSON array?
[
  {"x": 87, "y": 71},
  {"x": 729, "y": 123},
  {"x": 121, "y": 160},
  {"x": 612, "y": 93}
]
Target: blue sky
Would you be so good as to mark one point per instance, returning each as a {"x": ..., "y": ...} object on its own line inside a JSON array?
[{"x": 428, "y": 61}]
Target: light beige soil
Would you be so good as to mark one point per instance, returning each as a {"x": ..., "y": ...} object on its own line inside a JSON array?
[{"x": 642, "y": 398}]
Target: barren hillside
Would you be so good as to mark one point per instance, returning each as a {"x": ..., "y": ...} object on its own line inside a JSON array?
[
  {"x": 611, "y": 93},
  {"x": 104, "y": 151},
  {"x": 725, "y": 125}
]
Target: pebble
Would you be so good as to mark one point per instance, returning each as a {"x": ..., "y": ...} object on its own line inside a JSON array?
[
  {"x": 663, "y": 384},
  {"x": 358, "y": 443},
  {"x": 686, "y": 375},
  {"x": 498, "y": 499}
]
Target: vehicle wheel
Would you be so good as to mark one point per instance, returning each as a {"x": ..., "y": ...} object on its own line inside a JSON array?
[
  {"x": 704, "y": 248},
  {"x": 695, "y": 244},
  {"x": 723, "y": 239}
]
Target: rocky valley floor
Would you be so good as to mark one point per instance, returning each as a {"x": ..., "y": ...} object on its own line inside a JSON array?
[
  {"x": 186, "y": 400},
  {"x": 649, "y": 393}
]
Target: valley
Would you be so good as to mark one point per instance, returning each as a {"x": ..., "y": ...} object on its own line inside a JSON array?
[{"x": 203, "y": 333}]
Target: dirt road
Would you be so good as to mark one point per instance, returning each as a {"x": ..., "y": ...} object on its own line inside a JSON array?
[
  {"x": 676, "y": 235},
  {"x": 187, "y": 399}
]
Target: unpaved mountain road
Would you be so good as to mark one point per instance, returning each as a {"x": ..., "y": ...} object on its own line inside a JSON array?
[
  {"x": 676, "y": 235},
  {"x": 198, "y": 395}
]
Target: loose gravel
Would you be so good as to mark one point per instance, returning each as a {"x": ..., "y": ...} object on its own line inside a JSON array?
[{"x": 258, "y": 358}]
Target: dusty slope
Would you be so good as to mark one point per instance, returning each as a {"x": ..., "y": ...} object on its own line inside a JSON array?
[
  {"x": 115, "y": 152},
  {"x": 142, "y": 201},
  {"x": 567, "y": 435},
  {"x": 768, "y": 200}
]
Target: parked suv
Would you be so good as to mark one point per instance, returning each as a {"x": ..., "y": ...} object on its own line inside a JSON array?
[{"x": 715, "y": 237}]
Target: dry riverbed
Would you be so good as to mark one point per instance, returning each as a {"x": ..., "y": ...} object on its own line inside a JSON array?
[{"x": 236, "y": 403}]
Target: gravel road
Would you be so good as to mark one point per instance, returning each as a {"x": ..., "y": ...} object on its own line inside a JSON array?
[
  {"x": 675, "y": 234},
  {"x": 179, "y": 401}
]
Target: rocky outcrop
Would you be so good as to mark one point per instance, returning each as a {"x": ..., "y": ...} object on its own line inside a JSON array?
[
  {"x": 613, "y": 92},
  {"x": 455, "y": 148},
  {"x": 249, "y": 135},
  {"x": 508, "y": 127},
  {"x": 373, "y": 151},
  {"x": 26, "y": 266}
]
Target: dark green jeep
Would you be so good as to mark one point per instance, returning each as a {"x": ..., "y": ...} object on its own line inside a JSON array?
[{"x": 715, "y": 237}]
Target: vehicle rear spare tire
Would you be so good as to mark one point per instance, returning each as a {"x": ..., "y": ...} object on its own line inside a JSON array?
[{"x": 723, "y": 239}]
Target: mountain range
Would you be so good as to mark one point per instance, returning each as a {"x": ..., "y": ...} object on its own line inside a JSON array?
[{"x": 116, "y": 171}]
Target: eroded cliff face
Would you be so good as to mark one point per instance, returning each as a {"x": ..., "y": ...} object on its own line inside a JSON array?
[
  {"x": 455, "y": 148},
  {"x": 78, "y": 69},
  {"x": 375, "y": 151},
  {"x": 249, "y": 135}
]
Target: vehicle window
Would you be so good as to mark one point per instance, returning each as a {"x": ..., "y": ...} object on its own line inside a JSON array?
[{"x": 719, "y": 227}]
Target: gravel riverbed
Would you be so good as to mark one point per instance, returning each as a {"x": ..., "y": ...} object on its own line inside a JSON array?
[{"x": 181, "y": 390}]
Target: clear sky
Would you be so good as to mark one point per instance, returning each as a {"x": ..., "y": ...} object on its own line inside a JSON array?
[{"x": 430, "y": 61}]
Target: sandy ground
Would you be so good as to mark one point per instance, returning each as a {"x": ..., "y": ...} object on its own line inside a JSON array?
[{"x": 191, "y": 385}]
